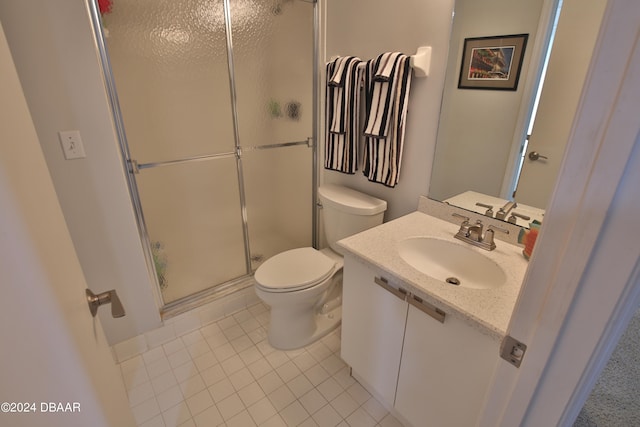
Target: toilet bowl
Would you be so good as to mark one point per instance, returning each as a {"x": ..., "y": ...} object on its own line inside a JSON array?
[{"x": 303, "y": 286}]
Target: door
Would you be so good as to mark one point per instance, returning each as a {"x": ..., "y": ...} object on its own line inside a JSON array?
[
  {"x": 217, "y": 101},
  {"x": 568, "y": 65},
  {"x": 582, "y": 284},
  {"x": 53, "y": 352}
]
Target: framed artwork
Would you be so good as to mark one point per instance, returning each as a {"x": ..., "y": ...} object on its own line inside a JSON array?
[{"x": 492, "y": 62}]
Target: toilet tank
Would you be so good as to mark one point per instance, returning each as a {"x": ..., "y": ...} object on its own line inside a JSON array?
[{"x": 347, "y": 212}]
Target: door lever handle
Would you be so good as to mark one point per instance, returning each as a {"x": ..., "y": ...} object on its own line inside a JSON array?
[
  {"x": 534, "y": 155},
  {"x": 108, "y": 297}
]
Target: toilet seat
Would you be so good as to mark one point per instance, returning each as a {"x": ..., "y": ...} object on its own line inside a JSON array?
[{"x": 294, "y": 270}]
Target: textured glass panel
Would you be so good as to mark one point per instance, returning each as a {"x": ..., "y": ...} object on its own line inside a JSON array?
[
  {"x": 273, "y": 57},
  {"x": 169, "y": 59},
  {"x": 279, "y": 200},
  {"x": 192, "y": 213}
]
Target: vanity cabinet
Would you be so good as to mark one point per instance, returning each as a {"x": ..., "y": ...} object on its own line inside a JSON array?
[
  {"x": 432, "y": 373},
  {"x": 373, "y": 321}
]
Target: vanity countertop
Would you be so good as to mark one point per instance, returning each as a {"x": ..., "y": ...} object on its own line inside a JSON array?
[{"x": 489, "y": 310}]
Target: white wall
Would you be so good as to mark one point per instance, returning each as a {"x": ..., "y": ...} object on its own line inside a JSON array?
[
  {"x": 51, "y": 349},
  {"x": 355, "y": 27},
  {"x": 52, "y": 46}
]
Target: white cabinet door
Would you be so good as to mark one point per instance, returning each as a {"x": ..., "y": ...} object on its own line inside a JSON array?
[
  {"x": 445, "y": 371},
  {"x": 373, "y": 320}
]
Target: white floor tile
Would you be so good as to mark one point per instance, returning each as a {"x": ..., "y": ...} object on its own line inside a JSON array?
[
  {"x": 274, "y": 421},
  {"x": 140, "y": 393},
  {"x": 208, "y": 418},
  {"x": 270, "y": 382},
  {"x": 224, "y": 352},
  {"x": 230, "y": 406},
  {"x": 288, "y": 371},
  {"x": 199, "y": 402},
  {"x": 227, "y": 374},
  {"x": 358, "y": 393},
  {"x": 232, "y": 364},
  {"x": 300, "y": 385},
  {"x": 176, "y": 415},
  {"x": 390, "y": 421},
  {"x": 327, "y": 417},
  {"x": 294, "y": 414},
  {"x": 205, "y": 361},
  {"x": 146, "y": 410},
  {"x": 192, "y": 385},
  {"x": 330, "y": 389},
  {"x": 198, "y": 348},
  {"x": 153, "y": 355},
  {"x": 185, "y": 371},
  {"x": 251, "y": 394},
  {"x": 262, "y": 411},
  {"x": 158, "y": 367},
  {"x": 221, "y": 390},
  {"x": 375, "y": 409},
  {"x": 240, "y": 379},
  {"x": 178, "y": 358},
  {"x": 169, "y": 398},
  {"x": 360, "y": 418},
  {"x": 344, "y": 404},
  {"x": 164, "y": 382},
  {"x": 192, "y": 338},
  {"x": 213, "y": 375},
  {"x": 312, "y": 401},
  {"x": 281, "y": 397},
  {"x": 173, "y": 346},
  {"x": 243, "y": 419},
  {"x": 156, "y": 421}
]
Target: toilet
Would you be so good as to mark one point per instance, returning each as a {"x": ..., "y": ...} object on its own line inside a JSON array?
[{"x": 303, "y": 286}]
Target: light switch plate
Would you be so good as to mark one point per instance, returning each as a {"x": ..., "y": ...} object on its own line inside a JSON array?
[{"x": 71, "y": 144}]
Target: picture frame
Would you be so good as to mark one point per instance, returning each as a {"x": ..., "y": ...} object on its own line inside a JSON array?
[{"x": 492, "y": 63}]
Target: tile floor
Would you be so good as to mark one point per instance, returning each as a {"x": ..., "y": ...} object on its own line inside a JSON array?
[{"x": 227, "y": 374}]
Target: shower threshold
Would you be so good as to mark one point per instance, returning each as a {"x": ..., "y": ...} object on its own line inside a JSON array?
[{"x": 206, "y": 296}]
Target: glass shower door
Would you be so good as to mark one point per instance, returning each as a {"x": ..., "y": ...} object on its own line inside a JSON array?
[
  {"x": 273, "y": 69},
  {"x": 169, "y": 60},
  {"x": 218, "y": 127}
]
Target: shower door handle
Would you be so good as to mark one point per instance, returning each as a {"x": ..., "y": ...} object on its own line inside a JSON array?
[{"x": 108, "y": 297}]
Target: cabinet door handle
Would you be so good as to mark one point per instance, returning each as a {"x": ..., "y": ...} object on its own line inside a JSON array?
[
  {"x": 400, "y": 292},
  {"x": 427, "y": 308}
]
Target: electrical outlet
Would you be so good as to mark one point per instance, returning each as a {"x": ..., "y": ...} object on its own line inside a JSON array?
[{"x": 71, "y": 144}]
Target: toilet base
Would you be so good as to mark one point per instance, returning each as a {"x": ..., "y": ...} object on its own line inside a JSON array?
[{"x": 325, "y": 323}]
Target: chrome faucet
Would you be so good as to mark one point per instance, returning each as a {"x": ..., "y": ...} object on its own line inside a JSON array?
[
  {"x": 473, "y": 233},
  {"x": 504, "y": 211}
]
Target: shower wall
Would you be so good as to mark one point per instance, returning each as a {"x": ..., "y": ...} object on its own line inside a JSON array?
[{"x": 171, "y": 68}]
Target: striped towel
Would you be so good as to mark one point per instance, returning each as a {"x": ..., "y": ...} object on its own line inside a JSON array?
[
  {"x": 388, "y": 80},
  {"x": 342, "y": 113}
]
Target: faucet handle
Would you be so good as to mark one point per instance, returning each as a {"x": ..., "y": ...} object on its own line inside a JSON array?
[
  {"x": 496, "y": 228},
  {"x": 488, "y": 236},
  {"x": 515, "y": 215},
  {"x": 489, "y": 211}
]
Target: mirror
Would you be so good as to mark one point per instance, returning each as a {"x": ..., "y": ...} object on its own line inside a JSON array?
[{"x": 475, "y": 159}]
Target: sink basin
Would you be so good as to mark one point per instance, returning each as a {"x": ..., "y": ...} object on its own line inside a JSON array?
[{"x": 452, "y": 263}]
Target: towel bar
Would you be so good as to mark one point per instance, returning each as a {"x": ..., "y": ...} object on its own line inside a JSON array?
[{"x": 420, "y": 62}]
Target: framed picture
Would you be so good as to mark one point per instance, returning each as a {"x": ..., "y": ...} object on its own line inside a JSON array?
[{"x": 492, "y": 62}]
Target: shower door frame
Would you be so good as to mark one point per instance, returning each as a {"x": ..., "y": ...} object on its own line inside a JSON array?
[{"x": 132, "y": 167}]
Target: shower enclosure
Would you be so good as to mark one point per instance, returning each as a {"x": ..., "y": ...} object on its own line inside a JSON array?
[{"x": 214, "y": 104}]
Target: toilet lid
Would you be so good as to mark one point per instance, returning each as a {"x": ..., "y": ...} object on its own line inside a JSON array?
[{"x": 295, "y": 269}]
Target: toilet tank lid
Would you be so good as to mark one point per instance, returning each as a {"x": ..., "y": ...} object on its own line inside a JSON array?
[{"x": 350, "y": 201}]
